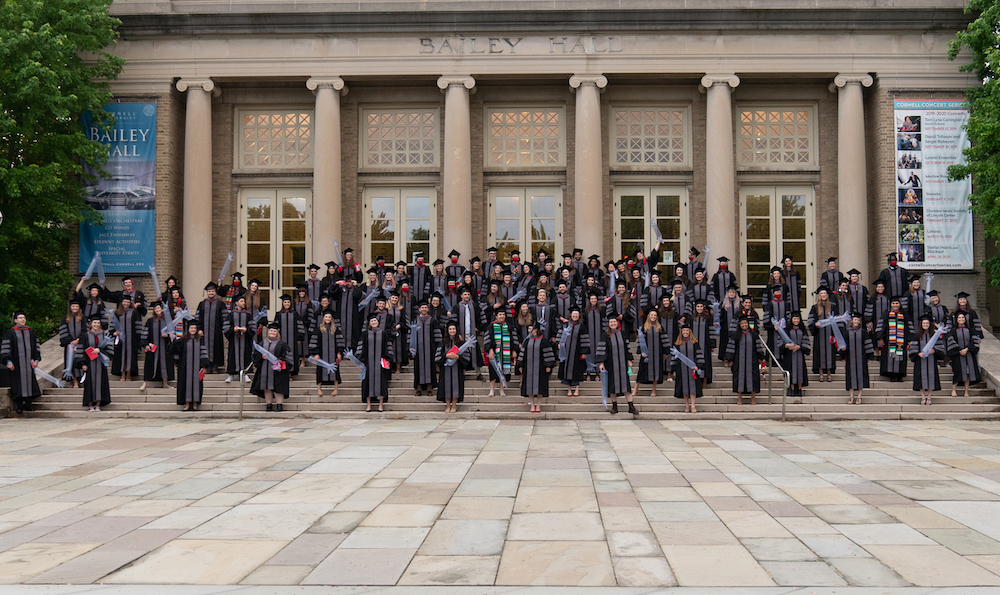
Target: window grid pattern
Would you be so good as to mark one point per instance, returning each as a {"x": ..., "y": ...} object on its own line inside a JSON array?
[
  {"x": 781, "y": 137},
  {"x": 526, "y": 138},
  {"x": 276, "y": 139},
  {"x": 650, "y": 136},
  {"x": 401, "y": 138}
]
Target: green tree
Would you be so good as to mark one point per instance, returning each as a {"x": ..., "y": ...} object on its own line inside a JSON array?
[
  {"x": 982, "y": 158},
  {"x": 53, "y": 67}
]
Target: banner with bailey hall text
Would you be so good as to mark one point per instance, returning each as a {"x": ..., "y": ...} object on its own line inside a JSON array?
[
  {"x": 933, "y": 220},
  {"x": 127, "y": 198}
]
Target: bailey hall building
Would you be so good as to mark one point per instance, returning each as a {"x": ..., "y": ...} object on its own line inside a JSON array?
[{"x": 758, "y": 128}]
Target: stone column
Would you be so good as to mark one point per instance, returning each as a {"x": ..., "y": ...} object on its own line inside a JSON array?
[
  {"x": 720, "y": 170},
  {"x": 852, "y": 180},
  {"x": 588, "y": 189},
  {"x": 456, "y": 171},
  {"x": 326, "y": 204},
  {"x": 197, "y": 230}
]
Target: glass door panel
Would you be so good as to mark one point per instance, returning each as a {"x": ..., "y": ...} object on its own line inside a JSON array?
[
  {"x": 274, "y": 239},
  {"x": 527, "y": 220},
  {"x": 543, "y": 224},
  {"x": 418, "y": 225},
  {"x": 776, "y": 222},
  {"x": 382, "y": 211},
  {"x": 669, "y": 222},
  {"x": 635, "y": 207},
  {"x": 412, "y": 211},
  {"x": 507, "y": 227}
]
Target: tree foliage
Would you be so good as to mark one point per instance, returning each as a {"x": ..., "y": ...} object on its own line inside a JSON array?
[
  {"x": 54, "y": 67},
  {"x": 982, "y": 158}
]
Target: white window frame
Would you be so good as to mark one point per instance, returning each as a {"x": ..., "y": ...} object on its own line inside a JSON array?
[
  {"x": 686, "y": 137},
  {"x": 778, "y": 106},
  {"x": 489, "y": 110},
  {"x": 809, "y": 273},
  {"x": 238, "y": 138},
  {"x": 411, "y": 109},
  {"x": 649, "y": 240},
  {"x": 527, "y": 254},
  {"x": 401, "y": 193},
  {"x": 276, "y": 242}
]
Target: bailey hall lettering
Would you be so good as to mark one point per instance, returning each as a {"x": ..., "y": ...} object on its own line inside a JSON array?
[{"x": 593, "y": 44}]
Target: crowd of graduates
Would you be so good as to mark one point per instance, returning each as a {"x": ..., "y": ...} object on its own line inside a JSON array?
[{"x": 584, "y": 321}]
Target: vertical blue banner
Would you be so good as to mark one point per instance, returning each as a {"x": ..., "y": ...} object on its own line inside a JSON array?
[{"x": 127, "y": 199}]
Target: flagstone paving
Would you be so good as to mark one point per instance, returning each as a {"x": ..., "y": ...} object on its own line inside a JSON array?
[{"x": 460, "y": 502}]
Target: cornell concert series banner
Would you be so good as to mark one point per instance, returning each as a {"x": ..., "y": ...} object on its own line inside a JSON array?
[
  {"x": 126, "y": 199},
  {"x": 933, "y": 220}
]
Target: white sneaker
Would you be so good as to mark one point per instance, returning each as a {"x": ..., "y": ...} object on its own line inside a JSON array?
[
  {"x": 98, "y": 408},
  {"x": 91, "y": 408},
  {"x": 229, "y": 378}
]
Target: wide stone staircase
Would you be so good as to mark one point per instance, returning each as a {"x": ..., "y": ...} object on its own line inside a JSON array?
[{"x": 820, "y": 401}]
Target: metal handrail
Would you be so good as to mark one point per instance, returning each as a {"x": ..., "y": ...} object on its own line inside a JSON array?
[
  {"x": 785, "y": 374},
  {"x": 243, "y": 385}
]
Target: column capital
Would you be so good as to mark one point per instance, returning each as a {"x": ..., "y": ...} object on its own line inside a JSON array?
[
  {"x": 578, "y": 80},
  {"x": 447, "y": 81},
  {"x": 323, "y": 82},
  {"x": 207, "y": 85},
  {"x": 720, "y": 79},
  {"x": 844, "y": 79}
]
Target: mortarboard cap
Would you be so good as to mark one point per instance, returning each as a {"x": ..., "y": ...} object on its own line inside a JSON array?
[
  {"x": 286, "y": 297},
  {"x": 491, "y": 249},
  {"x": 775, "y": 269},
  {"x": 831, "y": 259},
  {"x": 314, "y": 267},
  {"x": 475, "y": 259},
  {"x": 237, "y": 275},
  {"x": 854, "y": 272},
  {"x": 567, "y": 255},
  {"x": 211, "y": 285},
  {"x": 401, "y": 263},
  {"x": 933, "y": 292},
  {"x": 454, "y": 253},
  {"x": 695, "y": 251},
  {"x": 437, "y": 262},
  {"x": 331, "y": 264},
  {"x": 346, "y": 250},
  {"x": 961, "y": 295},
  {"x": 372, "y": 270},
  {"x": 275, "y": 325},
  {"x": 722, "y": 259}
]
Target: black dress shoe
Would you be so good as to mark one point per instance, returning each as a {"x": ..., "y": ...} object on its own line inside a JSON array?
[
  {"x": 279, "y": 407},
  {"x": 270, "y": 407},
  {"x": 614, "y": 408},
  {"x": 632, "y": 409}
]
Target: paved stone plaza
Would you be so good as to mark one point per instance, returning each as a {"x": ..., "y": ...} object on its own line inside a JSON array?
[{"x": 479, "y": 502}]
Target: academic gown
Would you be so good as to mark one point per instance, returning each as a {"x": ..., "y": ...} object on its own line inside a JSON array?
[
  {"x": 892, "y": 330},
  {"x": 158, "y": 365},
  {"x": 349, "y": 320},
  {"x": 20, "y": 347},
  {"x": 721, "y": 281},
  {"x": 327, "y": 345},
  {"x": 613, "y": 351},
  {"x": 684, "y": 382},
  {"x": 192, "y": 358},
  {"x": 794, "y": 283},
  {"x": 794, "y": 361},
  {"x": 704, "y": 331},
  {"x": 211, "y": 314},
  {"x": 964, "y": 367},
  {"x": 96, "y": 388},
  {"x": 728, "y": 321},
  {"x": 400, "y": 347},
  {"x": 129, "y": 343},
  {"x": 859, "y": 350},
  {"x": 824, "y": 352},
  {"x": 292, "y": 331},
  {"x": 88, "y": 305},
  {"x": 913, "y": 303},
  {"x": 925, "y": 369},
  {"x": 451, "y": 379},
  {"x": 574, "y": 368},
  {"x": 654, "y": 366},
  {"x": 69, "y": 332},
  {"x": 428, "y": 337},
  {"x": 895, "y": 280},
  {"x": 502, "y": 341},
  {"x": 374, "y": 349},
  {"x": 470, "y": 319},
  {"x": 745, "y": 351},
  {"x": 240, "y": 343},
  {"x": 535, "y": 356},
  {"x": 777, "y": 309},
  {"x": 971, "y": 320},
  {"x": 267, "y": 378}
]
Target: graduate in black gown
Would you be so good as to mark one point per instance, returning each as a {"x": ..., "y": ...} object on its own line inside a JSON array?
[
  {"x": 212, "y": 312},
  {"x": 971, "y": 318},
  {"x": 824, "y": 352},
  {"x": 374, "y": 350},
  {"x": 613, "y": 355},
  {"x": 126, "y": 362},
  {"x": 858, "y": 349},
  {"x": 192, "y": 360},
  {"x": 327, "y": 343},
  {"x": 938, "y": 310},
  {"x": 573, "y": 368},
  {"x": 744, "y": 355},
  {"x": 879, "y": 301},
  {"x": 687, "y": 380},
  {"x": 307, "y": 314},
  {"x": 729, "y": 314},
  {"x": 425, "y": 336},
  {"x": 239, "y": 329},
  {"x": 129, "y": 291},
  {"x": 20, "y": 351},
  {"x": 793, "y": 355},
  {"x": 156, "y": 339},
  {"x": 347, "y": 295},
  {"x": 794, "y": 282},
  {"x": 655, "y": 361},
  {"x": 925, "y": 368},
  {"x": 963, "y": 347},
  {"x": 894, "y": 277},
  {"x": 451, "y": 378},
  {"x": 96, "y": 389},
  {"x": 702, "y": 323},
  {"x": 470, "y": 319},
  {"x": 723, "y": 279},
  {"x": 271, "y": 382},
  {"x": 70, "y": 331},
  {"x": 90, "y": 300},
  {"x": 398, "y": 319},
  {"x": 534, "y": 364},
  {"x": 292, "y": 330},
  {"x": 831, "y": 277},
  {"x": 892, "y": 334},
  {"x": 501, "y": 344},
  {"x": 914, "y": 302}
]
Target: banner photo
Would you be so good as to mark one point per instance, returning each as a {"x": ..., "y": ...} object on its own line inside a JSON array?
[
  {"x": 933, "y": 220},
  {"x": 126, "y": 199}
]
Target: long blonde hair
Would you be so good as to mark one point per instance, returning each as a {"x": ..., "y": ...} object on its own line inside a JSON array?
[{"x": 649, "y": 323}]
